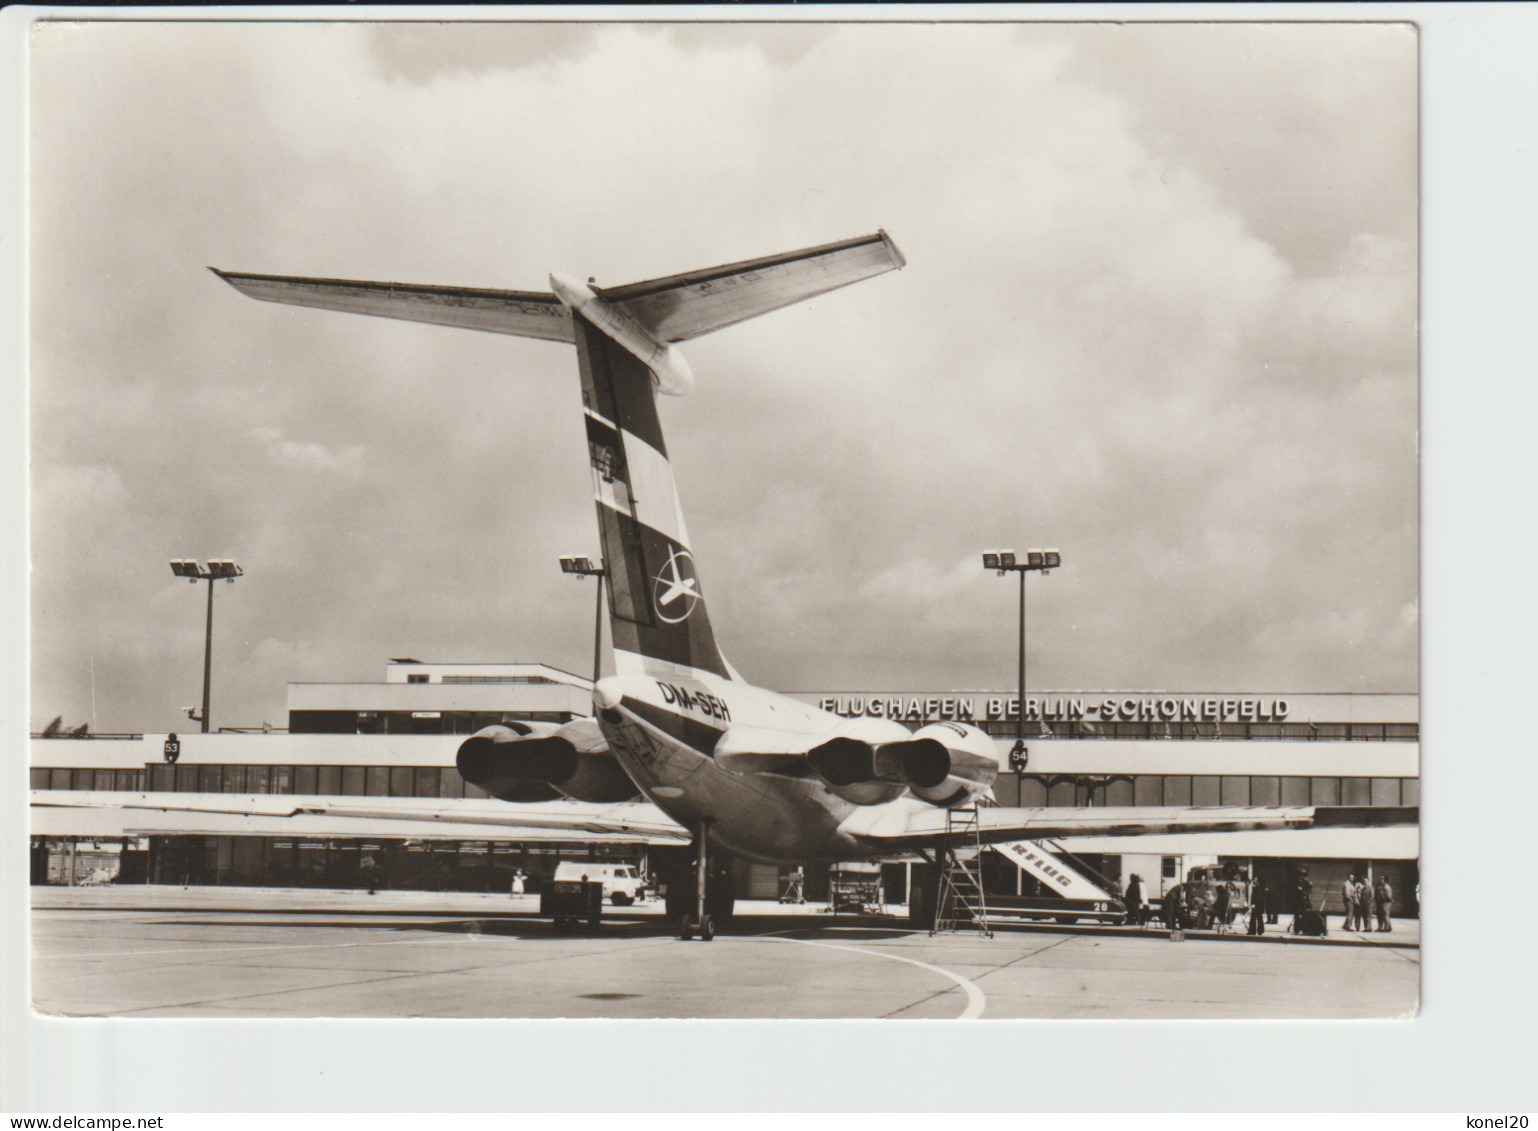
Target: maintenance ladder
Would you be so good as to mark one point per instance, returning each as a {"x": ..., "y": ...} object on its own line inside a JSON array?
[{"x": 960, "y": 903}]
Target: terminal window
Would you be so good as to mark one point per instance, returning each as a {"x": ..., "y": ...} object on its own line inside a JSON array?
[{"x": 1029, "y": 790}]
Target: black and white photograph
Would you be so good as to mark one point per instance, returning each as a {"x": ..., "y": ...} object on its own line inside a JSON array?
[{"x": 471, "y": 578}]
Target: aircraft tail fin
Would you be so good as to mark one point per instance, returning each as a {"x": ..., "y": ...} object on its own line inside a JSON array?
[
  {"x": 658, "y": 609},
  {"x": 656, "y": 605}
]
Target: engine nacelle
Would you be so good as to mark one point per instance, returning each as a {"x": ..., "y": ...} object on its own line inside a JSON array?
[
  {"x": 971, "y": 764},
  {"x": 869, "y": 761},
  {"x": 534, "y": 762},
  {"x": 599, "y": 776},
  {"x": 847, "y": 761}
]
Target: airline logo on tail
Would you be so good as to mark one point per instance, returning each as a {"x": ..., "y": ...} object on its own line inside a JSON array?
[{"x": 675, "y": 591}]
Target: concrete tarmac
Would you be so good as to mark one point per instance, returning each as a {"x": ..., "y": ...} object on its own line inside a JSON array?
[{"x": 244, "y": 952}]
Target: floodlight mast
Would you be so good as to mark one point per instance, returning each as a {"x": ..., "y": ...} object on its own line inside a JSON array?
[
  {"x": 1003, "y": 562},
  {"x": 580, "y": 567},
  {"x": 217, "y": 568}
]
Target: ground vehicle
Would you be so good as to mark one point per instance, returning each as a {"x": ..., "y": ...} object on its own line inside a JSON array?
[
  {"x": 621, "y": 885},
  {"x": 1201, "y": 888},
  {"x": 856, "y": 886}
]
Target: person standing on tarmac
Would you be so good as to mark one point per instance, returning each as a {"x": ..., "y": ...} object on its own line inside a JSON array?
[
  {"x": 1303, "y": 896},
  {"x": 1174, "y": 911},
  {"x": 1134, "y": 900},
  {"x": 1385, "y": 904},
  {"x": 1348, "y": 897},
  {"x": 1365, "y": 900},
  {"x": 1257, "y": 909},
  {"x": 1268, "y": 900}
]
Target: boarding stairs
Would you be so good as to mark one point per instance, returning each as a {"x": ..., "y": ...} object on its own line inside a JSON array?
[
  {"x": 960, "y": 904},
  {"x": 1050, "y": 863},
  {"x": 1078, "y": 891}
]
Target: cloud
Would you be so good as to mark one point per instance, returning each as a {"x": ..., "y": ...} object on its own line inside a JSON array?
[
  {"x": 456, "y": 50},
  {"x": 1307, "y": 132},
  {"x": 1160, "y": 311},
  {"x": 347, "y": 462}
]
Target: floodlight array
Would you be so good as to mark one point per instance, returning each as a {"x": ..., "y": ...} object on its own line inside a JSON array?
[
  {"x": 217, "y": 568},
  {"x": 1005, "y": 560}
]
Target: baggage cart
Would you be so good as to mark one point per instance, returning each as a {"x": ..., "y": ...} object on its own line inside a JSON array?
[{"x": 568, "y": 903}]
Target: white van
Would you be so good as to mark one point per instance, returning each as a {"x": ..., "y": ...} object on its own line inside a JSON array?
[{"x": 621, "y": 884}]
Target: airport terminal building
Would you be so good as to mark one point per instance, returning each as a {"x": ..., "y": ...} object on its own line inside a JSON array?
[
  {"x": 386, "y": 741},
  {"x": 1102, "y": 748}
]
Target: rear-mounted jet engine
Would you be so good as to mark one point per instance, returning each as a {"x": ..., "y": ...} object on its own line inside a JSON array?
[
  {"x": 533, "y": 762},
  {"x": 871, "y": 761}
]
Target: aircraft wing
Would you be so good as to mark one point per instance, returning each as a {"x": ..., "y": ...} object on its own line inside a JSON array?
[
  {"x": 528, "y": 314},
  {"x": 679, "y": 307},
  {"x": 144, "y": 814},
  {"x": 903, "y": 827}
]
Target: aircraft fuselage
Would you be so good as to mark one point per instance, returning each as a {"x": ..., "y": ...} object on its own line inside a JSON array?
[{"x": 664, "y": 729}]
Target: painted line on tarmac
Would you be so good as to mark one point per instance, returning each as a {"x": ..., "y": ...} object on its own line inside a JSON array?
[
  {"x": 975, "y": 998},
  {"x": 216, "y": 951}
]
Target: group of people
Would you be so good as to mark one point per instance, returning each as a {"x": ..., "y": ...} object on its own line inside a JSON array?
[
  {"x": 1175, "y": 908},
  {"x": 1362, "y": 897},
  {"x": 1182, "y": 908},
  {"x": 1263, "y": 906}
]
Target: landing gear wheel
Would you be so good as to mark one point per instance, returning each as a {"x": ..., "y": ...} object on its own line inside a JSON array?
[
  {"x": 686, "y": 928},
  {"x": 700, "y": 916}
]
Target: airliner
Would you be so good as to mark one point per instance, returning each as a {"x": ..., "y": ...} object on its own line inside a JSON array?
[{"x": 746, "y": 771}]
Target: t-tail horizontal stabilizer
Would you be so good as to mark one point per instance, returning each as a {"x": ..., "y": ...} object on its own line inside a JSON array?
[
  {"x": 644, "y": 318},
  {"x": 527, "y": 314}
]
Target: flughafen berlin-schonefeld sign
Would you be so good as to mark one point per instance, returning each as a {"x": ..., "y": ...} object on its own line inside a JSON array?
[{"x": 1068, "y": 708}]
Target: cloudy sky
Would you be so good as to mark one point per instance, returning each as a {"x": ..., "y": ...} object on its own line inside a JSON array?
[{"x": 1159, "y": 311}]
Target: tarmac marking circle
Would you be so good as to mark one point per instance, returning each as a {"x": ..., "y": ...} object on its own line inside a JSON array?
[{"x": 975, "y": 997}]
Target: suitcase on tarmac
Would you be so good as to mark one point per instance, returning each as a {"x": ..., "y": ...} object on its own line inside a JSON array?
[{"x": 1312, "y": 923}]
